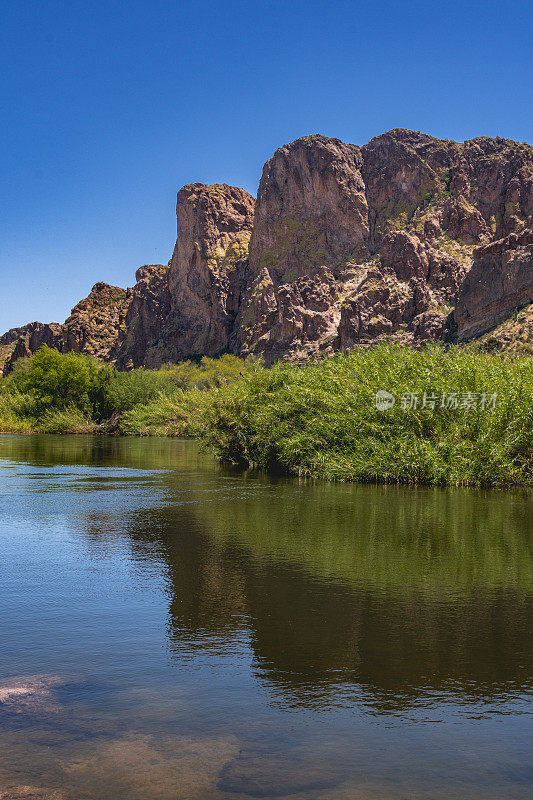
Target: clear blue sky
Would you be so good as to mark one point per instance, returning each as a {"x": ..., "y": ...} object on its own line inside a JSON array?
[{"x": 109, "y": 107}]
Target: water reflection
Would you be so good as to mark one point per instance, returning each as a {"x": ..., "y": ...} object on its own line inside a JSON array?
[
  {"x": 350, "y": 608},
  {"x": 410, "y": 595},
  {"x": 352, "y": 597}
]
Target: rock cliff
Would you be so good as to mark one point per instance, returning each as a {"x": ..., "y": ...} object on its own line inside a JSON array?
[
  {"x": 351, "y": 244},
  {"x": 408, "y": 237},
  {"x": 95, "y": 326},
  {"x": 146, "y": 320},
  {"x": 29, "y": 338},
  {"x": 499, "y": 283},
  {"x": 189, "y": 308},
  {"x": 206, "y": 272}
]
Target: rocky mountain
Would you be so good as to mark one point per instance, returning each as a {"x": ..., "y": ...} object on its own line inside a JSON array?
[
  {"x": 407, "y": 237},
  {"x": 96, "y": 326}
]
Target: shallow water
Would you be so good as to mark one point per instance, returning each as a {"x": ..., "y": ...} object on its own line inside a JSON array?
[{"x": 170, "y": 629}]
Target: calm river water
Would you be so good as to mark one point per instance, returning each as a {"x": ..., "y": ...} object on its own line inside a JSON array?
[{"x": 170, "y": 629}]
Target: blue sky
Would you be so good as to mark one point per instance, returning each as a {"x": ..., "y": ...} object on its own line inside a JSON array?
[{"x": 109, "y": 107}]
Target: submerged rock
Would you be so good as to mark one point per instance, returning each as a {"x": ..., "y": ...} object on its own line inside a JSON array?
[
  {"x": 263, "y": 774},
  {"x": 30, "y": 694},
  {"x": 152, "y": 767}
]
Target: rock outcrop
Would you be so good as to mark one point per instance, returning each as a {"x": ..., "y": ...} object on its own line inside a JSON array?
[
  {"x": 351, "y": 244},
  {"x": 8, "y": 343},
  {"x": 97, "y": 324},
  {"x": 311, "y": 221},
  {"x": 512, "y": 337},
  {"x": 189, "y": 308},
  {"x": 95, "y": 327},
  {"x": 146, "y": 320},
  {"x": 408, "y": 237},
  {"x": 207, "y": 268},
  {"x": 33, "y": 336},
  {"x": 499, "y": 283}
]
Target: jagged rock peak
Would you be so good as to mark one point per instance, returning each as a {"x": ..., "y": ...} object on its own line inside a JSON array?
[
  {"x": 311, "y": 219},
  {"x": 95, "y": 327},
  {"x": 96, "y": 324},
  {"x": 352, "y": 244},
  {"x": 101, "y": 295},
  {"x": 311, "y": 208},
  {"x": 228, "y": 209},
  {"x": 146, "y": 319}
]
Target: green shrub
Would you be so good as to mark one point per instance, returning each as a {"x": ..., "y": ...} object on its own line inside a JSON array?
[
  {"x": 68, "y": 420},
  {"x": 320, "y": 419},
  {"x": 140, "y": 402},
  {"x": 164, "y": 416},
  {"x": 208, "y": 373},
  {"x": 55, "y": 381},
  {"x": 185, "y": 388},
  {"x": 117, "y": 392}
]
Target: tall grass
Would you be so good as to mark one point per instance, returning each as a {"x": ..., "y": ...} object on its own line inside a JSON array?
[
  {"x": 15, "y": 412},
  {"x": 72, "y": 393},
  {"x": 67, "y": 420},
  {"x": 321, "y": 420},
  {"x": 164, "y": 415}
]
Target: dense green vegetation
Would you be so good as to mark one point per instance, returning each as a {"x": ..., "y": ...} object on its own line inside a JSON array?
[
  {"x": 55, "y": 393},
  {"x": 460, "y": 417}
]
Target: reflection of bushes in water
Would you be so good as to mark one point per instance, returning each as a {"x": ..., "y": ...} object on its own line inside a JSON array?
[
  {"x": 104, "y": 451},
  {"x": 403, "y": 590},
  {"x": 338, "y": 611},
  {"x": 383, "y": 535}
]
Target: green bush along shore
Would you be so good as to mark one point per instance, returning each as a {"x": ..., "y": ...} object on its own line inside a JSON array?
[{"x": 455, "y": 416}]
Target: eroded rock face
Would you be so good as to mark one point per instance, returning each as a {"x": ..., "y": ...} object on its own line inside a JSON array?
[
  {"x": 146, "y": 322},
  {"x": 33, "y": 336},
  {"x": 207, "y": 268},
  {"x": 96, "y": 325},
  {"x": 311, "y": 210},
  {"x": 514, "y": 336},
  {"x": 345, "y": 246},
  {"x": 499, "y": 283},
  {"x": 352, "y": 245},
  {"x": 311, "y": 220},
  {"x": 189, "y": 308}
]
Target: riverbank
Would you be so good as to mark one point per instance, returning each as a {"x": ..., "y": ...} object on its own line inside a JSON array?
[{"x": 453, "y": 417}]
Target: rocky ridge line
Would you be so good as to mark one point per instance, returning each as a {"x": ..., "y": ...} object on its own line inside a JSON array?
[{"x": 408, "y": 237}]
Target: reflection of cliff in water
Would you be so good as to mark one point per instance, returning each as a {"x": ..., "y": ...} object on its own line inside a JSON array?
[{"x": 409, "y": 595}]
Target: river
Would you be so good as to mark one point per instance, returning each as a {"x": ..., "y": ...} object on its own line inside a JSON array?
[{"x": 171, "y": 629}]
